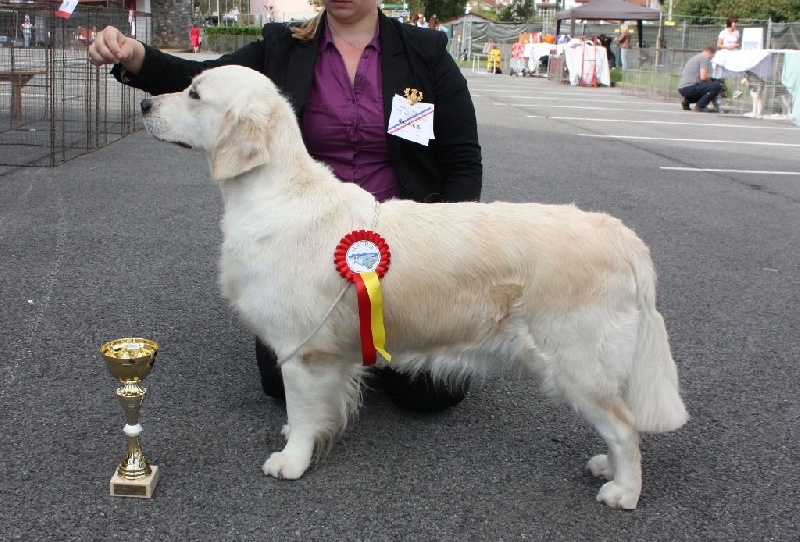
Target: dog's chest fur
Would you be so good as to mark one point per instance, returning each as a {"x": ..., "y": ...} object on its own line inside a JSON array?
[{"x": 276, "y": 261}]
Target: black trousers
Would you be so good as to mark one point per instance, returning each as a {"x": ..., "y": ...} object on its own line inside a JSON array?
[
  {"x": 419, "y": 394},
  {"x": 701, "y": 93}
]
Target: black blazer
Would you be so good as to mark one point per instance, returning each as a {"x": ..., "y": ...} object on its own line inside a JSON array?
[{"x": 448, "y": 169}]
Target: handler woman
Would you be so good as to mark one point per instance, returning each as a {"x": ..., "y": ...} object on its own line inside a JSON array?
[{"x": 340, "y": 71}]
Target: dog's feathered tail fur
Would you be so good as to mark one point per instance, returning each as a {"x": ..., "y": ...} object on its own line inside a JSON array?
[{"x": 652, "y": 392}]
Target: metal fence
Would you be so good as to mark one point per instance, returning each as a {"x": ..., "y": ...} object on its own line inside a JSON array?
[
  {"x": 760, "y": 95},
  {"x": 468, "y": 38},
  {"x": 655, "y": 72},
  {"x": 54, "y": 105}
]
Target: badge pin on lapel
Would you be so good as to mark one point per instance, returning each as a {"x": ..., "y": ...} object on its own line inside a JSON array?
[{"x": 414, "y": 96}]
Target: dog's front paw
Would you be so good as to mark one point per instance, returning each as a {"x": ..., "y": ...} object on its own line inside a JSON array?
[
  {"x": 284, "y": 466},
  {"x": 617, "y": 496},
  {"x": 600, "y": 467}
]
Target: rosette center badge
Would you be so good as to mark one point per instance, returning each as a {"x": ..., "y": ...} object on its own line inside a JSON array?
[{"x": 363, "y": 256}]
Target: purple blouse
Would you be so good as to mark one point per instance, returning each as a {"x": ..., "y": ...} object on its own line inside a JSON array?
[{"x": 343, "y": 125}]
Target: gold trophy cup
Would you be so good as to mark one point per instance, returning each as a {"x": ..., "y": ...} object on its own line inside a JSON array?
[{"x": 130, "y": 361}]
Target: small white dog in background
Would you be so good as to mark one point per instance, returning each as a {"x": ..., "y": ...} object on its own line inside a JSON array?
[{"x": 568, "y": 294}]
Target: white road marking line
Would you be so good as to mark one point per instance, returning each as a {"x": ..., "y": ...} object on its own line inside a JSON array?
[
  {"x": 600, "y": 108},
  {"x": 714, "y": 170},
  {"x": 729, "y": 142},
  {"x": 562, "y": 99},
  {"x": 626, "y": 121},
  {"x": 602, "y": 99}
]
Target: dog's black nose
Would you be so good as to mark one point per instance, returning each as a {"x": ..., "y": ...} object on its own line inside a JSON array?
[{"x": 147, "y": 105}]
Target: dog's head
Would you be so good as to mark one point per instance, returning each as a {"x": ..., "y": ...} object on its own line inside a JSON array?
[{"x": 228, "y": 112}]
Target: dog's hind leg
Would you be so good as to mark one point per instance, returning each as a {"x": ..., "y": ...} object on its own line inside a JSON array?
[
  {"x": 320, "y": 395},
  {"x": 587, "y": 365},
  {"x": 622, "y": 467}
]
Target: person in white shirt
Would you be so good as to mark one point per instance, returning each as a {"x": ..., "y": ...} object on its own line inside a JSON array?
[{"x": 729, "y": 38}]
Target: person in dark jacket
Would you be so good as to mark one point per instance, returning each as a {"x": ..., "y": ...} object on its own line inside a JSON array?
[
  {"x": 341, "y": 71},
  {"x": 606, "y": 42}
]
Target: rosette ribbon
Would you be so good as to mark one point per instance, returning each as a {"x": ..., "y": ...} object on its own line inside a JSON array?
[{"x": 363, "y": 257}]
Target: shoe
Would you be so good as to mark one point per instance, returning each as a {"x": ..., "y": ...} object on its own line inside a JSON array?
[
  {"x": 736, "y": 94},
  {"x": 421, "y": 393},
  {"x": 685, "y": 105}
]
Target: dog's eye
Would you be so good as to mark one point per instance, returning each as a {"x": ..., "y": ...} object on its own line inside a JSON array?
[{"x": 193, "y": 94}]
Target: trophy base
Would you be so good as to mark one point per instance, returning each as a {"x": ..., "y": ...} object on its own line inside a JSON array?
[{"x": 141, "y": 489}]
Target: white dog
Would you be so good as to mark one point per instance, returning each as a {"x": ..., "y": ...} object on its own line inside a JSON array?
[{"x": 568, "y": 294}]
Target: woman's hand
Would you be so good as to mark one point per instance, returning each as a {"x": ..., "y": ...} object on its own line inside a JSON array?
[{"x": 111, "y": 46}]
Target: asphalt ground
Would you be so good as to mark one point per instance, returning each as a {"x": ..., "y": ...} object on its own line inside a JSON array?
[{"x": 124, "y": 242}]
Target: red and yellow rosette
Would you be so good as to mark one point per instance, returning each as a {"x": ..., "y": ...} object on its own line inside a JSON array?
[{"x": 363, "y": 257}]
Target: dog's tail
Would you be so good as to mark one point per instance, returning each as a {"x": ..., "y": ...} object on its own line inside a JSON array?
[{"x": 653, "y": 392}]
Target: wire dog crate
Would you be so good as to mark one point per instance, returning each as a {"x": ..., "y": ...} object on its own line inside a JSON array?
[{"x": 54, "y": 105}]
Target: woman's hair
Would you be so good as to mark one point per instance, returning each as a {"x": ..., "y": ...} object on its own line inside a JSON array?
[
  {"x": 306, "y": 31},
  {"x": 433, "y": 22},
  {"x": 730, "y": 21}
]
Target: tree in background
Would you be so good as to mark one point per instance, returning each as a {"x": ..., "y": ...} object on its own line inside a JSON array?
[
  {"x": 518, "y": 11},
  {"x": 777, "y": 10},
  {"x": 444, "y": 9},
  {"x": 414, "y": 7}
]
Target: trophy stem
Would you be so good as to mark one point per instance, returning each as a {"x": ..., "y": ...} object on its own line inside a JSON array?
[{"x": 134, "y": 466}]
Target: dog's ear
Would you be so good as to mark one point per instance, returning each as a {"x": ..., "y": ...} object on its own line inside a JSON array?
[{"x": 241, "y": 145}]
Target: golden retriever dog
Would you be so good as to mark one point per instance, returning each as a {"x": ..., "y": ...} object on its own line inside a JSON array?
[{"x": 567, "y": 294}]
